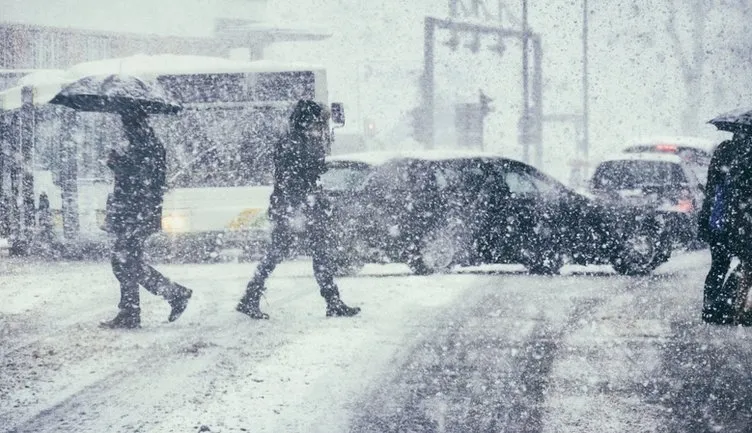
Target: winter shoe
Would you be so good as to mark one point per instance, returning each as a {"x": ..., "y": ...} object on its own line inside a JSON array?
[
  {"x": 125, "y": 319},
  {"x": 717, "y": 320},
  {"x": 249, "y": 305},
  {"x": 252, "y": 310},
  {"x": 719, "y": 315},
  {"x": 336, "y": 308},
  {"x": 179, "y": 304}
]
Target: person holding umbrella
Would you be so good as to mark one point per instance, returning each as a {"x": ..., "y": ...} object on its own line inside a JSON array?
[
  {"x": 298, "y": 163},
  {"x": 720, "y": 221},
  {"x": 134, "y": 214},
  {"x": 134, "y": 209}
]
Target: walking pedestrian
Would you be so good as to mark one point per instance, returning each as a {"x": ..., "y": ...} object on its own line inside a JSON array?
[
  {"x": 719, "y": 224},
  {"x": 297, "y": 204},
  {"x": 134, "y": 213}
]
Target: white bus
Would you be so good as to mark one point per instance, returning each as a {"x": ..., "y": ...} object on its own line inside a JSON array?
[{"x": 219, "y": 147}]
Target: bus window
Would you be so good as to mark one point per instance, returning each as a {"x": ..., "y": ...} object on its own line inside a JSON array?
[
  {"x": 251, "y": 87},
  {"x": 220, "y": 148}
]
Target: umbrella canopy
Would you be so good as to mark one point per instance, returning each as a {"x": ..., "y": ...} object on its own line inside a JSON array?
[
  {"x": 116, "y": 94},
  {"x": 733, "y": 120}
]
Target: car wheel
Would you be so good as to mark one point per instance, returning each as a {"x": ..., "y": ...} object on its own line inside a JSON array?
[
  {"x": 641, "y": 252},
  {"x": 542, "y": 256},
  {"x": 437, "y": 251}
]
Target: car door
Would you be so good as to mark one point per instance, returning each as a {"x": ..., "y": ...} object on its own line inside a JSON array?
[
  {"x": 562, "y": 210},
  {"x": 518, "y": 217}
]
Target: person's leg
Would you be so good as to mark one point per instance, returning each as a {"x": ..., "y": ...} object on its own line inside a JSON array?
[
  {"x": 322, "y": 248},
  {"x": 125, "y": 260},
  {"x": 175, "y": 294},
  {"x": 718, "y": 297},
  {"x": 156, "y": 283},
  {"x": 281, "y": 241}
]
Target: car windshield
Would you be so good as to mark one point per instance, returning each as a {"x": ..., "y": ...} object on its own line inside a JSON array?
[
  {"x": 635, "y": 174},
  {"x": 401, "y": 175},
  {"x": 695, "y": 159},
  {"x": 344, "y": 176}
]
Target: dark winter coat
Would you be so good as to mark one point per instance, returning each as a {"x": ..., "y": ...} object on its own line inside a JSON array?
[
  {"x": 740, "y": 200},
  {"x": 299, "y": 161},
  {"x": 722, "y": 158},
  {"x": 730, "y": 181},
  {"x": 140, "y": 183}
]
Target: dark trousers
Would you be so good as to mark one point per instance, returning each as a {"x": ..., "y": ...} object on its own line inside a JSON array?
[
  {"x": 283, "y": 239},
  {"x": 131, "y": 271},
  {"x": 717, "y": 299}
]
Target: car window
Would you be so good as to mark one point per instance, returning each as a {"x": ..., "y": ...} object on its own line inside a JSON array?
[
  {"x": 629, "y": 174},
  {"x": 344, "y": 177},
  {"x": 545, "y": 186},
  {"x": 520, "y": 184},
  {"x": 403, "y": 176},
  {"x": 388, "y": 177},
  {"x": 448, "y": 177}
]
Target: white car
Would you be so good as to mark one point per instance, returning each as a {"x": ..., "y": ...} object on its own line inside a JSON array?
[{"x": 663, "y": 181}]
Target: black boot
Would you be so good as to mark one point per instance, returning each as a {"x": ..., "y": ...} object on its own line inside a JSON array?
[
  {"x": 179, "y": 303},
  {"x": 125, "y": 319},
  {"x": 336, "y": 308},
  {"x": 249, "y": 304}
]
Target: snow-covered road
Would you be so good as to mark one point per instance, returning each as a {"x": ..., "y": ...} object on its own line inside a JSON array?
[{"x": 487, "y": 349}]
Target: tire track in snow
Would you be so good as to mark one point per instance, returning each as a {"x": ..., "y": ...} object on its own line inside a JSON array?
[{"x": 487, "y": 372}]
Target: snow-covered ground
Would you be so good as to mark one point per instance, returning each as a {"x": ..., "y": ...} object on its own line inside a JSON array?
[
  {"x": 214, "y": 366},
  {"x": 300, "y": 371}
]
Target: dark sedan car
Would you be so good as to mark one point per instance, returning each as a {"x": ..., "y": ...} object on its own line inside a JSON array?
[{"x": 433, "y": 210}]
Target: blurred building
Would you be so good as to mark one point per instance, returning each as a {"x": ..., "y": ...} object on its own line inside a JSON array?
[{"x": 74, "y": 31}]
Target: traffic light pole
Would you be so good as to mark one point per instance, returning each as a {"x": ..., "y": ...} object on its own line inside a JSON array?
[
  {"x": 426, "y": 126},
  {"x": 531, "y": 119}
]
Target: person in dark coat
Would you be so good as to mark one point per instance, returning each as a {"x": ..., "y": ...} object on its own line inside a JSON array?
[
  {"x": 134, "y": 213},
  {"x": 717, "y": 224},
  {"x": 296, "y": 205}
]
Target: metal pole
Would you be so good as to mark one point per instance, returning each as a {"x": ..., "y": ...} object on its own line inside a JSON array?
[
  {"x": 428, "y": 91},
  {"x": 585, "y": 108},
  {"x": 537, "y": 94},
  {"x": 525, "y": 88}
]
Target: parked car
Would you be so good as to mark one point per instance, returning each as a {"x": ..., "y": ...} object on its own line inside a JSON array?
[
  {"x": 436, "y": 209},
  {"x": 663, "y": 182}
]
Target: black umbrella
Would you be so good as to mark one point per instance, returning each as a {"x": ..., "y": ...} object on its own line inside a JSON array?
[
  {"x": 117, "y": 94},
  {"x": 733, "y": 120}
]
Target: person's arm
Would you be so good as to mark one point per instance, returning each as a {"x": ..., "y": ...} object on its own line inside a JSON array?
[{"x": 715, "y": 170}]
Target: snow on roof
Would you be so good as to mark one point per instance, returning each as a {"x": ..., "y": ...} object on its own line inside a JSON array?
[
  {"x": 678, "y": 140},
  {"x": 657, "y": 157},
  {"x": 42, "y": 76},
  {"x": 381, "y": 157},
  {"x": 147, "y": 66},
  {"x": 46, "y": 83},
  {"x": 282, "y": 31}
]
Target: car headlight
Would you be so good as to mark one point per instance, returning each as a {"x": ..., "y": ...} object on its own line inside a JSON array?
[{"x": 176, "y": 222}]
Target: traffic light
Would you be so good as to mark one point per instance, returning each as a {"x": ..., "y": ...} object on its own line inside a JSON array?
[
  {"x": 485, "y": 103},
  {"x": 369, "y": 127}
]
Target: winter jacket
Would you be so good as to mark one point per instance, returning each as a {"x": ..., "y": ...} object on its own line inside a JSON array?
[
  {"x": 740, "y": 199},
  {"x": 140, "y": 183},
  {"x": 730, "y": 180},
  {"x": 720, "y": 162},
  {"x": 299, "y": 161}
]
